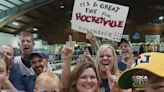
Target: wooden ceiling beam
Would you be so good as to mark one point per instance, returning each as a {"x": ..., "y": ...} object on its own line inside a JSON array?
[
  {"x": 11, "y": 27},
  {"x": 23, "y": 28}
]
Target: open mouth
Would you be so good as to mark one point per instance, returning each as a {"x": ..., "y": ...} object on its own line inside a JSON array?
[
  {"x": 88, "y": 86},
  {"x": 105, "y": 64},
  {"x": 124, "y": 52},
  {"x": 26, "y": 48}
]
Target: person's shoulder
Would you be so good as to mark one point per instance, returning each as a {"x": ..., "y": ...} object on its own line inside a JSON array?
[
  {"x": 17, "y": 59},
  {"x": 122, "y": 65}
]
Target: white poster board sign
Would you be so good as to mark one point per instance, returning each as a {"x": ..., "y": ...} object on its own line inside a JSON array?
[{"x": 104, "y": 19}]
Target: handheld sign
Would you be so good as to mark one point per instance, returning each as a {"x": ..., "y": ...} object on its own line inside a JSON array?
[{"x": 104, "y": 19}]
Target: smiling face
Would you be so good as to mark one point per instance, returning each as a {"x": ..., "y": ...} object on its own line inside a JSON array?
[
  {"x": 38, "y": 64},
  {"x": 87, "y": 81},
  {"x": 126, "y": 49},
  {"x": 106, "y": 59},
  {"x": 8, "y": 51}
]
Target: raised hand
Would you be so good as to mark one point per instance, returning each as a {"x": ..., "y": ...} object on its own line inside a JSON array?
[
  {"x": 90, "y": 36},
  {"x": 88, "y": 55},
  {"x": 109, "y": 76},
  {"x": 68, "y": 49},
  {"x": 112, "y": 81},
  {"x": 81, "y": 58},
  {"x": 67, "y": 53}
]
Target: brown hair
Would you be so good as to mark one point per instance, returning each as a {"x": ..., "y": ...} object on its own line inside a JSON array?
[{"x": 78, "y": 69}]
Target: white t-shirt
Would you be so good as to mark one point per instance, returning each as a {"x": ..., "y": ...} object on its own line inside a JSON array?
[{"x": 18, "y": 64}]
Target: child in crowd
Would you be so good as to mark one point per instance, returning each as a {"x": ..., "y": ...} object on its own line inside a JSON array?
[{"x": 47, "y": 82}]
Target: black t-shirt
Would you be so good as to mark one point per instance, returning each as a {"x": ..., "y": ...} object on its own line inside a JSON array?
[
  {"x": 105, "y": 86},
  {"x": 26, "y": 62}
]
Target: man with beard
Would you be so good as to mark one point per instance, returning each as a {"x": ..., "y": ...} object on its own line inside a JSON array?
[
  {"x": 38, "y": 61},
  {"x": 126, "y": 55}
]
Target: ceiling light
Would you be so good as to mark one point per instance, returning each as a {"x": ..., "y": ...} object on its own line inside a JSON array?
[
  {"x": 35, "y": 29},
  {"x": 15, "y": 23},
  {"x": 62, "y": 6},
  {"x": 160, "y": 17}
]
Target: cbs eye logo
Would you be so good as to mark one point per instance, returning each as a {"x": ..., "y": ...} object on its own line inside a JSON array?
[{"x": 139, "y": 81}]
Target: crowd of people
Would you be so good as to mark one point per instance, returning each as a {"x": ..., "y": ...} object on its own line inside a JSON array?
[{"x": 30, "y": 72}]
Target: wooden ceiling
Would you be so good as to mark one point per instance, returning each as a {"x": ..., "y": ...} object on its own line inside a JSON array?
[{"x": 51, "y": 18}]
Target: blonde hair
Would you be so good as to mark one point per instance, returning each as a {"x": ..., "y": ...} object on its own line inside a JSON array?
[
  {"x": 48, "y": 78},
  {"x": 26, "y": 34},
  {"x": 10, "y": 46},
  {"x": 115, "y": 65}
]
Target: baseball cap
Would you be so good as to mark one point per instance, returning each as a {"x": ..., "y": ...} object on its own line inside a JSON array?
[
  {"x": 152, "y": 62},
  {"x": 38, "y": 53},
  {"x": 126, "y": 41}
]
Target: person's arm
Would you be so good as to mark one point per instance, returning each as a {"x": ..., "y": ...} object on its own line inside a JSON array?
[
  {"x": 66, "y": 70},
  {"x": 92, "y": 39}
]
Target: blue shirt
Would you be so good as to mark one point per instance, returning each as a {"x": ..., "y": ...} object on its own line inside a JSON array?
[
  {"x": 29, "y": 83},
  {"x": 122, "y": 66},
  {"x": 21, "y": 82},
  {"x": 16, "y": 78}
]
